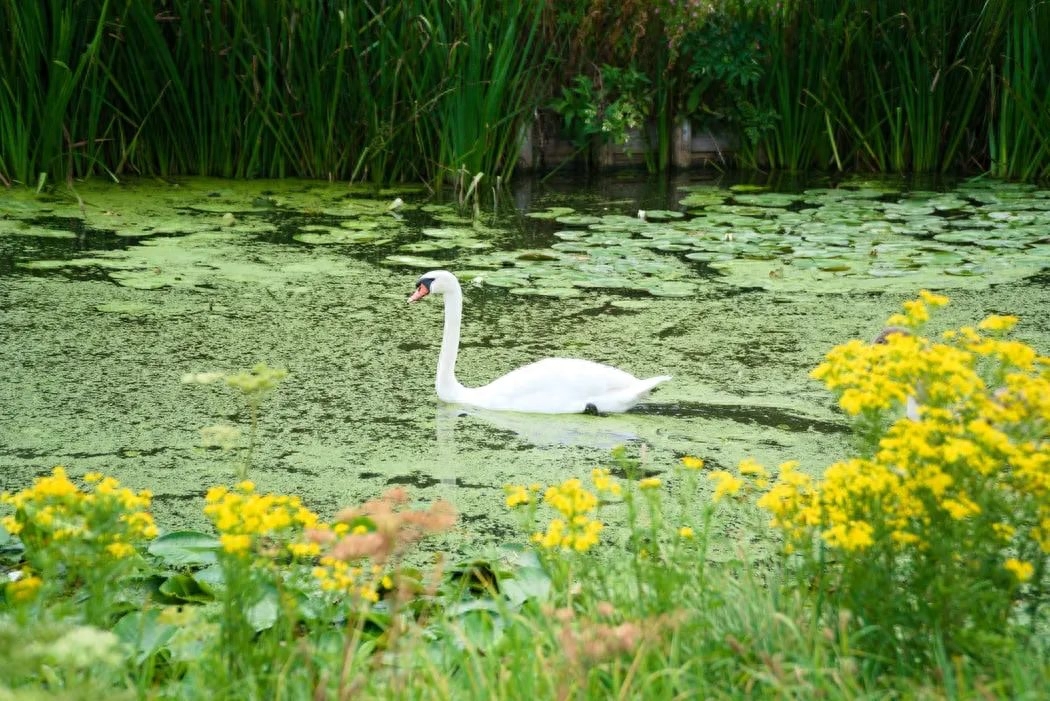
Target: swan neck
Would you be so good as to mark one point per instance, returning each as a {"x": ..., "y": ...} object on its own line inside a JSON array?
[{"x": 448, "y": 387}]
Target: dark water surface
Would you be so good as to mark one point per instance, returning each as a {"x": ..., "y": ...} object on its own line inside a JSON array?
[{"x": 103, "y": 309}]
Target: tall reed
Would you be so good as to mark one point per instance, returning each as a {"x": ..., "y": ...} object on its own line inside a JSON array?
[
  {"x": 383, "y": 91},
  {"x": 1019, "y": 133}
]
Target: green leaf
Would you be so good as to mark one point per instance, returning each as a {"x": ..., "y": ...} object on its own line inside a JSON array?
[
  {"x": 144, "y": 632},
  {"x": 185, "y": 587},
  {"x": 527, "y": 583},
  {"x": 263, "y": 614},
  {"x": 185, "y": 549}
]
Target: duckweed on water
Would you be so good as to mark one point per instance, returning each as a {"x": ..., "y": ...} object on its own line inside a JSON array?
[
  {"x": 96, "y": 365},
  {"x": 821, "y": 240}
]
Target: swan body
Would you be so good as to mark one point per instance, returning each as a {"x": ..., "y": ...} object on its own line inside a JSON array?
[{"x": 548, "y": 386}]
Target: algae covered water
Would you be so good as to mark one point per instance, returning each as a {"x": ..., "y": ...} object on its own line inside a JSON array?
[{"x": 110, "y": 294}]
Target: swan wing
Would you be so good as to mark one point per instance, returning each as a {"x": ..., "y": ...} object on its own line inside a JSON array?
[{"x": 563, "y": 385}]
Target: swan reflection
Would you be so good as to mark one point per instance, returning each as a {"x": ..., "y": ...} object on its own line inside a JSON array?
[{"x": 600, "y": 432}]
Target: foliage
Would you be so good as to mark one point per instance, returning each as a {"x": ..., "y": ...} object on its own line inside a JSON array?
[
  {"x": 604, "y": 109},
  {"x": 937, "y": 537},
  {"x": 77, "y": 539},
  {"x": 916, "y": 569},
  {"x": 388, "y": 91},
  {"x": 254, "y": 386}
]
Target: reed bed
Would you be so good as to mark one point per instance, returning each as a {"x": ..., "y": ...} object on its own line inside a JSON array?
[
  {"x": 431, "y": 89},
  {"x": 369, "y": 90}
]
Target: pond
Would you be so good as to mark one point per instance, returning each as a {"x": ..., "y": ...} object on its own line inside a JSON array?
[{"x": 110, "y": 295}]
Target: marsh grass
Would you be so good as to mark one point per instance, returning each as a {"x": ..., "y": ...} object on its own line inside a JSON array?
[
  {"x": 373, "y": 91},
  {"x": 1018, "y": 135}
]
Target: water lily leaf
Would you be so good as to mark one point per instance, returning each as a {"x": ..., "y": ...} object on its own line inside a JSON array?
[
  {"x": 577, "y": 219},
  {"x": 415, "y": 262},
  {"x": 527, "y": 583},
  {"x": 556, "y": 292},
  {"x": 662, "y": 214},
  {"x": 768, "y": 199},
  {"x": 672, "y": 289},
  {"x": 551, "y": 213},
  {"x": 263, "y": 614}
]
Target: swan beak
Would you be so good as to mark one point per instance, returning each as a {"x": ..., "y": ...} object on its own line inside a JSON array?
[{"x": 419, "y": 294}]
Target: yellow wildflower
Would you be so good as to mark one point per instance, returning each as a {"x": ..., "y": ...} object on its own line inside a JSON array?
[
  {"x": 235, "y": 544},
  {"x": 24, "y": 588},
  {"x": 691, "y": 463},
  {"x": 1022, "y": 570},
  {"x": 998, "y": 323},
  {"x": 750, "y": 466},
  {"x": 517, "y": 495},
  {"x": 649, "y": 483},
  {"x": 685, "y": 532},
  {"x": 725, "y": 484},
  {"x": 120, "y": 550},
  {"x": 11, "y": 525},
  {"x": 855, "y": 535},
  {"x": 603, "y": 482},
  {"x": 932, "y": 299},
  {"x": 304, "y": 550}
]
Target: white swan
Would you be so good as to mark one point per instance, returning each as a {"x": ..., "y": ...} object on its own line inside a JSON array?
[{"x": 548, "y": 386}]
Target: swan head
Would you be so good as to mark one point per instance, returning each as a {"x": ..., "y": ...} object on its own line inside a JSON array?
[{"x": 436, "y": 282}]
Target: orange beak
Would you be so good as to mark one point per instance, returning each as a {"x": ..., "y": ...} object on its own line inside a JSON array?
[{"x": 419, "y": 294}]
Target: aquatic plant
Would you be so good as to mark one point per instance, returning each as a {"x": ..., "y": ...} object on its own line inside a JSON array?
[
  {"x": 77, "y": 540},
  {"x": 917, "y": 568},
  {"x": 254, "y": 386},
  {"x": 401, "y": 91},
  {"x": 937, "y": 536}
]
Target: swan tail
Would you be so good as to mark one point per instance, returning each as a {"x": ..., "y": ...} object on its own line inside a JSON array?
[{"x": 629, "y": 396}]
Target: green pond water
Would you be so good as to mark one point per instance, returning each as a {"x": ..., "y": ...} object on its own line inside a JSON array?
[{"x": 111, "y": 294}]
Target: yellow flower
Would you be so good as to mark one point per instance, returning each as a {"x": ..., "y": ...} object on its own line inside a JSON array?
[
  {"x": 120, "y": 550},
  {"x": 649, "y": 483},
  {"x": 750, "y": 466},
  {"x": 960, "y": 508},
  {"x": 932, "y": 299},
  {"x": 691, "y": 463},
  {"x": 997, "y": 323},
  {"x": 1003, "y": 531},
  {"x": 304, "y": 550},
  {"x": 603, "y": 482},
  {"x": 25, "y": 588},
  {"x": 517, "y": 496},
  {"x": 725, "y": 484},
  {"x": 1023, "y": 571},
  {"x": 215, "y": 494},
  {"x": 685, "y": 532},
  {"x": 235, "y": 544},
  {"x": 11, "y": 525},
  {"x": 855, "y": 535},
  {"x": 92, "y": 477}
]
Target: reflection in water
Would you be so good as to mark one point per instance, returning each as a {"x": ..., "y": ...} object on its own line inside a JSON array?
[{"x": 601, "y": 432}]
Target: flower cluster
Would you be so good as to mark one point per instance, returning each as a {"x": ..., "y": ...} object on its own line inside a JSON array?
[
  {"x": 72, "y": 534},
  {"x": 105, "y": 516},
  {"x": 245, "y": 519},
  {"x": 577, "y": 528},
  {"x": 955, "y": 488},
  {"x": 360, "y": 546}
]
